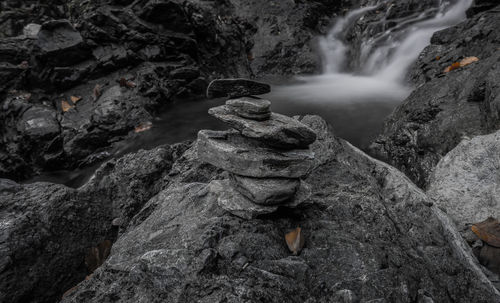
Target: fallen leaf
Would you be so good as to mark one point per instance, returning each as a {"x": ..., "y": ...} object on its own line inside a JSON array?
[
  {"x": 295, "y": 240},
  {"x": 438, "y": 57},
  {"x": 468, "y": 60},
  {"x": 96, "y": 92},
  {"x": 24, "y": 65},
  {"x": 126, "y": 83},
  {"x": 488, "y": 231},
  {"x": 65, "y": 106},
  {"x": 97, "y": 255},
  {"x": 452, "y": 67},
  {"x": 75, "y": 99},
  {"x": 143, "y": 127}
]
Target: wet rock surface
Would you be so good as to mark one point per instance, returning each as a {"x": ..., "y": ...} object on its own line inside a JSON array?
[
  {"x": 446, "y": 107},
  {"x": 365, "y": 224}
]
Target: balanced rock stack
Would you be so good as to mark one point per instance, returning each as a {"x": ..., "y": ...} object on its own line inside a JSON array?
[{"x": 265, "y": 153}]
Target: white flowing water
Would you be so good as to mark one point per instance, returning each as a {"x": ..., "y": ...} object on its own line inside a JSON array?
[{"x": 352, "y": 89}]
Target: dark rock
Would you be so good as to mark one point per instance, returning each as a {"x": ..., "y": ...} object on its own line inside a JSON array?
[
  {"x": 481, "y": 6},
  {"x": 232, "y": 152},
  {"x": 39, "y": 123},
  {"x": 278, "y": 131},
  {"x": 61, "y": 43},
  {"x": 31, "y": 30},
  {"x": 250, "y": 108},
  {"x": 365, "y": 225},
  {"x": 235, "y": 88},
  {"x": 265, "y": 191}
]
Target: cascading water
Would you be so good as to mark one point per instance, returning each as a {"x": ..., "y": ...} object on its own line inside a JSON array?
[{"x": 355, "y": 87}]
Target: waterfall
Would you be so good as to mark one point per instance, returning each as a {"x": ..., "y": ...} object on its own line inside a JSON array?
[{"x": 383, "y": 60}]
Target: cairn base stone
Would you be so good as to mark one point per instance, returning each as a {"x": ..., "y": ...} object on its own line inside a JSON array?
[
  {"x": 237, "y": 204},
  {"x": 265, "y": 191},
  {"x": 278, "y": 131},
  {"x": 242, "y": 156}
]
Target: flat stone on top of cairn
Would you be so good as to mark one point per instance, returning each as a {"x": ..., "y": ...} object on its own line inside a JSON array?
[
  {"x": 266, "y": 153},
  {"x": 234, "y": 88}
]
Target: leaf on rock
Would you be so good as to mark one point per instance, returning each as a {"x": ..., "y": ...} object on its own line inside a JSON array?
[
  {"x": 65, "y": 106},
  {"x": 488, "y": 231},
  {"x": 96, "y": 92},
  {"x": 143, "y": 127},
  {"x": 75, "y": 99},
  {"x": 97, "y": 255},
  {"x": 126, "y": 83},
  {"x": 438, "y": 57},
  {"x": 295, "y": 240},
  {"x": 468, "y": 60},
  {"x": 452, "y": 67}
]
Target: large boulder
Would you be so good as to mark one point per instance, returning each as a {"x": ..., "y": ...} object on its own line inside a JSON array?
[
  {"x": 370, "y": 234},
  {"x": 466, "y": 182}
]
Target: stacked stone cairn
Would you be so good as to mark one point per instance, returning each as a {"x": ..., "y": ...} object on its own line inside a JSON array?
[{"x": 265, "y": 153}]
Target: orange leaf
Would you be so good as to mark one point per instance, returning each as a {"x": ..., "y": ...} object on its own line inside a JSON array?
[
  {"x": 295, "y": 240},
  {"x": 75, "y": 99},
  {"x": 452, "y": 67},
  {"x": 65, "y": 106},
  {"x": 143, "y": 127},
  {"x": 488, "y": 231},
  {"x": 438, "y": 57},
  {"x": 468, "y": 60}
]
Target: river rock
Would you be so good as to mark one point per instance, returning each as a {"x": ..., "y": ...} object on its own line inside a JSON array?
[
  {"x": 250, "y": 105},
  {"x": 230, "y": 199},
  {"x": 232, "y": 152},
  {"x": 466, "y": 182},
  {"x": 279, "y": 131},
  {"x": 234, "y": 88},
  {"x": 61, "y": 43},
  {"x": 265, "y": 191}
]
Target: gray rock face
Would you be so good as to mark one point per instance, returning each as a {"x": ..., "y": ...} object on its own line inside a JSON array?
[
  {"x": 466, "y": 182},
  {"x": 370, "y": 235},
  {"x": 232, "y": 200},
  {"x": 265, "y": 191},
  {"x": 234, "y": 88},
  {"x": 446, "y": 107},
  {"x": 232, "y": 152},
  {"x": 279, "y": 131},
  {"x": 251, "y": 108},
  {"x": 31, "y": 30}
]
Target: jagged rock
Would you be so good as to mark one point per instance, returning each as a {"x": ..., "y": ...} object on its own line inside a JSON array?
[
  {"x": 250, "y": 108},
  {"x": 232, "y": 152},
  {"x": 234, "y": 88},
  {"x": 466, "y": 182},
  {"x": 61, "y": 43},
  {"x": 239, "y": 205},
  {"x": 279, "y": 131},
  {"x": 265, "y": 191}
]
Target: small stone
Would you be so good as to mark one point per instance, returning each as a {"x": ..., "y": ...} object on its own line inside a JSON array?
[
  {"x": 232, "y": 152},
  {"x": 265, "y": 191},
  {"x": 234, "y": 88},
  {"x": 250, "y": 108},
  {"x": 279, "y": 131},
  {"x": 237, "y": 204},
  {"x": 31, "y": 30}
]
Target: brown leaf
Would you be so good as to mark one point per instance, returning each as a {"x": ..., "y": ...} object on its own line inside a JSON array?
[
  {"x": 295, "y": 240},
  {"x": 97, "y": 255},
  {"x": 75, "y": 99},
  {"x": 488, "y": 231},
  {"x": 96, "y": 92},
  {"x": 468, "y": 60},
  {"x": 143, "y": 127},
  {"x": 438, "y": 57},
  {"x": 126, "y": 83},
  {"x": 452, "y": 67},
  {"x": 65, "y": 106}
]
